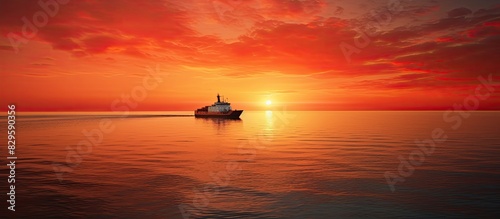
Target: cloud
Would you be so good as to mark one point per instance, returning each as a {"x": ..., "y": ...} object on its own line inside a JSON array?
[
  {"x": 295, "y": 7},
  {"x": 6, "y": 47},
  {"x": 36, "y": 64},
  {"x": 88, "y": 27},
  {"x": 288, "y": 37},
  {"x": 459, "y": 12}
]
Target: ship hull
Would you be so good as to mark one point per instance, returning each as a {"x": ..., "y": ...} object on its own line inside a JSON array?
[{"x": 233, "y": 114}]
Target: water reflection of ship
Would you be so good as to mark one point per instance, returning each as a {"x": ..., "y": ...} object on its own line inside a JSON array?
[{"x": 219, "y": 123}]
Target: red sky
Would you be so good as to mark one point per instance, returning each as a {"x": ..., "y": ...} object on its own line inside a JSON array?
[{"x": 306, "y": 54}]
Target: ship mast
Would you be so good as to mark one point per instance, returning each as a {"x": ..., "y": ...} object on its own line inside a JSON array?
[{"x": 218, "y": 98}]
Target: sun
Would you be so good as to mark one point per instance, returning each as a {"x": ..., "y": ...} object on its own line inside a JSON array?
[{"x": 268, "y": 102}]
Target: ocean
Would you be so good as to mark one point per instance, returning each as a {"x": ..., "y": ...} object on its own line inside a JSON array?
[{"x": 269, "y": 164}]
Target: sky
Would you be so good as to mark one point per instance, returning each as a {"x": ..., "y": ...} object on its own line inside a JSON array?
[{"x": 86, "y": 55}]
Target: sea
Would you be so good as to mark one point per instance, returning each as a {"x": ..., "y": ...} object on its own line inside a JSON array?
[{"x": 268, "y": 164}]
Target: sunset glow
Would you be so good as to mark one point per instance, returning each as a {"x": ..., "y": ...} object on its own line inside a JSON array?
[
  {"x": 310, "y": 55},
  {"x": 250, "y": 108}
]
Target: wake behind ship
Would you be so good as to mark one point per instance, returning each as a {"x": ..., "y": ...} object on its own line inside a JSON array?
[{"x": 220, "y": 109}]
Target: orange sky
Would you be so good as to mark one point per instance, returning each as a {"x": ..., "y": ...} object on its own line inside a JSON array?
[{"x": 306, "y": 54}]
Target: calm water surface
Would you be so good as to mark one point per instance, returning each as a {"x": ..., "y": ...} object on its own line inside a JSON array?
[{"x": 266, "y": 165}]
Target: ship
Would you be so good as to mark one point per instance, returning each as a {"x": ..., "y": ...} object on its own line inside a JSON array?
[{"x": 220, "y": 109}]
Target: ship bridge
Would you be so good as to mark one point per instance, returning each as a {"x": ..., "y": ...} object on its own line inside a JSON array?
[{"x": 220, "y": 106}]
